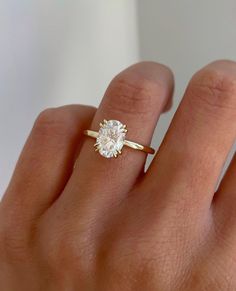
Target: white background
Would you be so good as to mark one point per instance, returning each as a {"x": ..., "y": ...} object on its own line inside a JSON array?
[{"x": 59, "y": 52}]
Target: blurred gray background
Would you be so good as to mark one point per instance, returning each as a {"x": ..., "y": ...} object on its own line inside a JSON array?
[{"x": 60, "y": 52}]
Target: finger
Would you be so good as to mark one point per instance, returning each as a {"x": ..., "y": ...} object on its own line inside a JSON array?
[
  {"x": 190, "y": 160},
  {"x": 47, "y": 160},
  {"x": 136, "y": 97}
]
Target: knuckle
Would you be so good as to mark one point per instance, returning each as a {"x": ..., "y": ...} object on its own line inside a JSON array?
[
  {"x": 132, "y": 95},
  {"x": 54, "y": 122},
  {"x": 215, "y": 87},
  {"x": 64, "y": 249},
  {"x": 135, "y": 267},
  {"x": 59, "y": 250},
  {"x": 46, "y": 116},
  {"x": 126, "y": 260},
  {"x": 13, "y": 245}
]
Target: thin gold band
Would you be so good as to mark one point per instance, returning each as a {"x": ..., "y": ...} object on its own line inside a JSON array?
[{"x": 128, "y": 143}]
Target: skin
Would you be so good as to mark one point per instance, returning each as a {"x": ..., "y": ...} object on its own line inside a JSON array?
[{"x": 108, "y": 225}]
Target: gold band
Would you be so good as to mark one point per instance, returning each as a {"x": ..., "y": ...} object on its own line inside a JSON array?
[{"x": 128, "y": 143}]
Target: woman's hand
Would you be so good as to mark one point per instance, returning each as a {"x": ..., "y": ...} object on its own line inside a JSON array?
[{"x": 107, "y": 225}]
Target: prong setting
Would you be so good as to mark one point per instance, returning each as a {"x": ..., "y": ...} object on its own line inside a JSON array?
[{"x": 111, "y": 137}]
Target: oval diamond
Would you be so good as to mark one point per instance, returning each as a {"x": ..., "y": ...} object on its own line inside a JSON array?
[{"x": 111, "y": 138}]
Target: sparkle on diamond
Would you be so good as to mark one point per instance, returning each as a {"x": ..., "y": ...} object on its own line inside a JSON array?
[{"x": 110, "y": 138}]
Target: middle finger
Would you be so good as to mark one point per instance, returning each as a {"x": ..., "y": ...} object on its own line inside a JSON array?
[{"x": 199, "y": 139}]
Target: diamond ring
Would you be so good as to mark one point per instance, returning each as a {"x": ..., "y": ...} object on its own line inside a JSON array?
[{"x": 110, "y": 139}]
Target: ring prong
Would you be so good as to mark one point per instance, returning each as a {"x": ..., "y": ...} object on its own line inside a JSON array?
[
  {"x": 119, "y": 152},
  {"x": 101, "y": 124},
  {"x": 105, "y": 121}
]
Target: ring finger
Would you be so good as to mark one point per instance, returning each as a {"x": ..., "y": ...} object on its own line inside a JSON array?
[{"x": 136, "y": 97}]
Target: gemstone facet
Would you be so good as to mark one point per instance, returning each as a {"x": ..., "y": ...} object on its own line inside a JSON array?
[{"x": 111, "y": 137}]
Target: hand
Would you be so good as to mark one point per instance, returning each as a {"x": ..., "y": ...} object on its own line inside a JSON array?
[{"x": 107, "y": 225}]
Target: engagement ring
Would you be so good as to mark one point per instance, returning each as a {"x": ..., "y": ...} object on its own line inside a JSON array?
[{"x": 110, "y": 139}]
